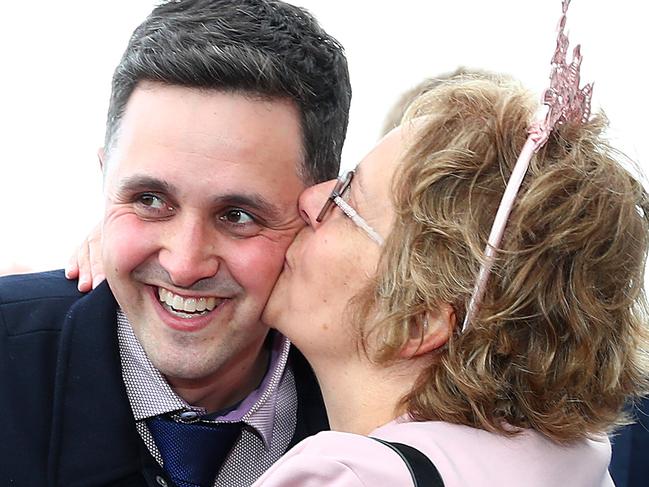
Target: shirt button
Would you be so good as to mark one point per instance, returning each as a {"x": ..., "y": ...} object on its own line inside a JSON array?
[
  {"x": 161, "y": 481},
  {"x": 188, "y": 416}
]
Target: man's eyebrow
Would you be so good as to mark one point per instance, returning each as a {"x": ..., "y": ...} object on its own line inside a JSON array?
[{"x": 134, "y": 184}]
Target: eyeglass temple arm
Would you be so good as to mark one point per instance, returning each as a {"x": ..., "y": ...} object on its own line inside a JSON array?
[{"x": 358, "y": 220}]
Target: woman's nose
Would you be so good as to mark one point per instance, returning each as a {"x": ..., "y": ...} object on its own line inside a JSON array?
[{"x": 313, "y": 199}]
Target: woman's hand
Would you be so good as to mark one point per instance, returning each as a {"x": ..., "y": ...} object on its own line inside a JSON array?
[{"x": 85, "y": 264}]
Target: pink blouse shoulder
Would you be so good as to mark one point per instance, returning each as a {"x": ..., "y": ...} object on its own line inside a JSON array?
[{"x": 339, "y": 460}]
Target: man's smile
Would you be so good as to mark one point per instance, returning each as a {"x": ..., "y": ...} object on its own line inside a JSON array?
[{"x": 187, "y": 307}]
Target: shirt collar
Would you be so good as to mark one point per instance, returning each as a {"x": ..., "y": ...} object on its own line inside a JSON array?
[{"x": 150, "y": 394}]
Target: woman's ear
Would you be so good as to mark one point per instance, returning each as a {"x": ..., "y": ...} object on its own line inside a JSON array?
[{"x": 432, "y": 332}]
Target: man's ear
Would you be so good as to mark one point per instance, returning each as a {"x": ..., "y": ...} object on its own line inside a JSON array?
[
  {"x": 100, "y": 155},
  {"x": 431, "y": 333}
]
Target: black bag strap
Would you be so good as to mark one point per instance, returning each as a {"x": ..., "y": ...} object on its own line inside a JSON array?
[{"x": 423, "y": 471}]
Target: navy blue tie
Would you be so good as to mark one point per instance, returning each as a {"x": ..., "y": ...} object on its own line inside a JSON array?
[{"x": 192, "y": 453}]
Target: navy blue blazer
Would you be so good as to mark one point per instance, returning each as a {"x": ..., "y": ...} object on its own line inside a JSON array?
[
  {"x": 630, "y": 461},
  {"x": 65, "y": 418}
]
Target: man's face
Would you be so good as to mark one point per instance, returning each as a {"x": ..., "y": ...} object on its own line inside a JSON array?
[{"x": 201, "y": 190}]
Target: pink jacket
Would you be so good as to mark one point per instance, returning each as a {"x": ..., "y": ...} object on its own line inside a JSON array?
[{"x": 464, "y": 456}]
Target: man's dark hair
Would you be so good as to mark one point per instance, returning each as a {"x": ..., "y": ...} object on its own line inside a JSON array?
[{"x": 260, "y": 47}]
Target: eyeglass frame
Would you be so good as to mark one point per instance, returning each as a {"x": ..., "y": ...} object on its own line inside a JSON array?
[{"x": 336, "y": 198}]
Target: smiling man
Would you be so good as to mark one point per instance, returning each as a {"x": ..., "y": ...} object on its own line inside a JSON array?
[
  {"x": 196, "y": 225},
  {"x": 221, "y": 112}
]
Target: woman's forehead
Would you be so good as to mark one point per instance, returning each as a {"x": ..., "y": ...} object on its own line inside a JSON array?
[
  {"x": 372, "y": 184},
  {"x": 375, "y": 172}
]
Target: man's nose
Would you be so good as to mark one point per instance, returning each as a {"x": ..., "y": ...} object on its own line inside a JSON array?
[
  {"x": 313, "y": 199},
  {"x": 189, "y": 253}
]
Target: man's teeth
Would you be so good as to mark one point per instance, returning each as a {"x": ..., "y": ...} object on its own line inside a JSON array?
[{"x": 187, "y": 305}]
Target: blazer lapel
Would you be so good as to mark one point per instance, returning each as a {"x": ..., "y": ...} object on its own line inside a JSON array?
[{"x": 94, "y": 440}]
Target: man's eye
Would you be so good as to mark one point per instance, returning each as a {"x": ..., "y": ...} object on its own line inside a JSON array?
[
  {"x": 152, "y": 201},
  {"x": 150, "y": 205},
  {"x": 237, "y": 217}
]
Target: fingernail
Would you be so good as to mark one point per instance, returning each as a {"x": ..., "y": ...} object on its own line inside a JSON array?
[
  {"x": 97, "y": 280},
  {"x": 82, "y": 284}
]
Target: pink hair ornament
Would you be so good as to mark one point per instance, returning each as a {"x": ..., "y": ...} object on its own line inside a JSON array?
[{"x": 564, "y": 101}]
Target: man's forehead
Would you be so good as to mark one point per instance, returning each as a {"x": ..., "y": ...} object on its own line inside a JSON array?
[{"x": 171, "y": 122}]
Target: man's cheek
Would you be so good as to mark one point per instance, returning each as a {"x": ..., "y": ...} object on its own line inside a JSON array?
[{"x": 256, "y": 264}]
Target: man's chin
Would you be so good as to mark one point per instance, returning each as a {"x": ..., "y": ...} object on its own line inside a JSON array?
[
  {"x": 186, "y": 369},
  {"x": 183, "y": 360}
]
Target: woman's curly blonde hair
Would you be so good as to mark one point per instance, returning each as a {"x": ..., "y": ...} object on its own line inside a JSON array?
[{"x": 559, "y": 343}]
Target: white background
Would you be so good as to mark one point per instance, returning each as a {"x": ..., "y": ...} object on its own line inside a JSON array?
[{"x": 57, "y": 58}]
